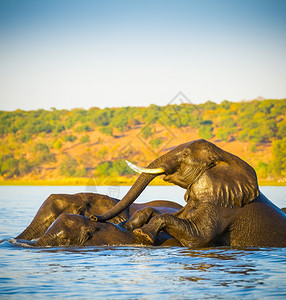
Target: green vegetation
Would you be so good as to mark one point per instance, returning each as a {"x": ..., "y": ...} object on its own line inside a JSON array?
[
  {"x": 146, "y": 132},
  {"x": 117, "y": 168},
  {"x": 36, "y": 140},
  {"x": 279, "y": 154},
  {"x": 156, "y": 143},
  {"x": 84, "y": 139},
  {"x": 70, "y": 168}
]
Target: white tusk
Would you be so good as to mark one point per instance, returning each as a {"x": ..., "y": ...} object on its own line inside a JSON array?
[{"x": 144, "y": 170}]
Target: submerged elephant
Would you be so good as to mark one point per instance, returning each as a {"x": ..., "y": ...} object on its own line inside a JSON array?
[
  {"x": 63, "y": 220},
  {"x": 78, "y": 230},
  {"x": 224, "y": 204}
]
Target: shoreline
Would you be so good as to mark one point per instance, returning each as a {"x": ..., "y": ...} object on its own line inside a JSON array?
[{"x": 109, "y": 181}]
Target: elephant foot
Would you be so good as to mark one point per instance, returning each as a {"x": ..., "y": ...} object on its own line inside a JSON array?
[{"x": 144, "y": 236}]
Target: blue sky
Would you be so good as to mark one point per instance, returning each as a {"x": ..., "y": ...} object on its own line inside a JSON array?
[{"x": 68, "y": 54}]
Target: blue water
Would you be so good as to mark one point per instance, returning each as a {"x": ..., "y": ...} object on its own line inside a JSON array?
[{"x": 131, "y": 272}]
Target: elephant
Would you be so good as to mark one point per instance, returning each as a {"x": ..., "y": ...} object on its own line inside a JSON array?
[
  {"x": 224, "y": 206},
  {"x": 63, "y": 220},
  {"x": 78, "y": 230}
]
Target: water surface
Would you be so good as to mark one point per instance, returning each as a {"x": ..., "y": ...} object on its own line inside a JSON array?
[{"x": 131, "y": 272}]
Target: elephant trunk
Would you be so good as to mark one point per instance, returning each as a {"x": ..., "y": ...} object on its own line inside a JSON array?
[
  {"x": 143, "y": 180},
  {"x": 137, "y": 188}
]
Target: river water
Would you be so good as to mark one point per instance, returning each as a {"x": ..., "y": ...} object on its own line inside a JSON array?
[{"x": 131, "y": 272}]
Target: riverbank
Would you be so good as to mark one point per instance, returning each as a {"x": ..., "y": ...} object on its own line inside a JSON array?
[{"x": 109, "y": 181}]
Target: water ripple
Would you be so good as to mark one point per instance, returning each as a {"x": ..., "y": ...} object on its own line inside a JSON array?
[{"x": 133, "y": 272}]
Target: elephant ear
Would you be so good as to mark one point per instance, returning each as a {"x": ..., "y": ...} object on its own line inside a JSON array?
[{"x": 228, "y": 183}]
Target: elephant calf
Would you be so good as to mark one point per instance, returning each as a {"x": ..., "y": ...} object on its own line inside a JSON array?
[{"x": 78, "y": 230}]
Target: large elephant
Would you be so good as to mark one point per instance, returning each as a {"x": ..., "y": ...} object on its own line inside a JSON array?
[
  {"x": 63, "y": 220},
  {"x": 224, "y": 204}
]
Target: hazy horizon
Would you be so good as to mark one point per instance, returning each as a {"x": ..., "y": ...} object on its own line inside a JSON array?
[{"x": 82, "y": 54}]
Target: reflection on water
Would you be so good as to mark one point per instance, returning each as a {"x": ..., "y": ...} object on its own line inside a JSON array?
[
  {"x": 139, "y": 272},
  {"x": 129, "y": 272}
]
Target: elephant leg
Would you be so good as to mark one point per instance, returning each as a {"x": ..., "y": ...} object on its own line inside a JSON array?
[
  {"x": 141, "y": 217},
  {"x": 170, "y": 223},
  {"x": 51, "y": 208},
  {"x": 208, "y": 223}
]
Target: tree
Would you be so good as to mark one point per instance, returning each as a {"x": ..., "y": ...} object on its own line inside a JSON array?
[
  {"x": 9, "y": 166},
  {"x": 146, "y": 132},
  {"x": 57, "y": 144},
  {"x": 69, "y": 138},
  {"x": 84, "y": 139},
  {"x": 68, "y": 167},
  {"x": 262, "y": 169},
  {"x": 120, "y": 167},
  {"x": 279, "y": 155},
  {"x": 223, "y": 134},
  {"x": 156, "y": 142},
  {"x": 43, "y": 154},
  {"x": 106, "y": 130},
  {"x": 83, "y": 128},
  {"x": 205, "y": 130},
  {"x": 104, "y": 169},
  {"x": 59, "y": 128},
  {"x": 227, "y": 122},
  {"x": 281, "y": 132}
]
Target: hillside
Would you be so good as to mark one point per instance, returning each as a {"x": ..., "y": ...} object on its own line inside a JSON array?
[{"x": 90, "y": 146}]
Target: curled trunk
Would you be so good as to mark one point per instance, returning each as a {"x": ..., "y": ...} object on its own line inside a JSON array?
[
  {"x": 134, "y": 192},
  {"x": 143, "y": 180}
]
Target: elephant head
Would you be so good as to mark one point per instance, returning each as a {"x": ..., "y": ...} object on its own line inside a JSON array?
[
  {"x": 208, "y": 173},
  {"x": 67, "y": 230}
]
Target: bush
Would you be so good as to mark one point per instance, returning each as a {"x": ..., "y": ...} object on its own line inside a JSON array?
[
  {"x": 106, "y": 130},
  {"x": 43, "y": 154},
  {"x": 24, "y": 138},
  {"x": 205, "y": 130},
  {"x": 59, "y": 128},
  {"x": 262, "y": 169},
  {"x": 279, "y": 154},
  {"x": 222, "y": 134},
  {"x": 120, "y": 167},
  {"x": 146, "y": 132},
  {"x": 281, "y": 129},
  {"x": 69, "y": 138},
  {"x": 80, "y": 173},
  {"x": 84, "y": 139},
  {"x": 68, "y": 167},
  {"x": 156, "y": 143},
  {"x": 104, "y": 169},
  {"x": 57, "y": 145},
  {"x": 83, "y": 128},
  {"x": 9, "y": 166}
]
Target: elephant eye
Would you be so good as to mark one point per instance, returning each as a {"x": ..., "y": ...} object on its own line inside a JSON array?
[{"x": 64, "y": 240}]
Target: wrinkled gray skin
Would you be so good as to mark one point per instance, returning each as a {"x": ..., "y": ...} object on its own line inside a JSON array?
[
  {"x": 63, "y": 220},
  {"x": 224, "y": 204},
  {"x": 78, "y": 230}
]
